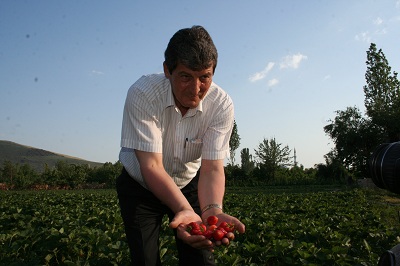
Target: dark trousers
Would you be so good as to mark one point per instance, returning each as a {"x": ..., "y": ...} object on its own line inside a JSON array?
[{"x": 142, "y": 214}]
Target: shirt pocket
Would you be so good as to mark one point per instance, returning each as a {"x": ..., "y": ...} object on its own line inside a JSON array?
[{"x": 193, "y": 149}]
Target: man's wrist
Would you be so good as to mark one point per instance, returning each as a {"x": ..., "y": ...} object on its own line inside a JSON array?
[{"x": 211, "y": 207}]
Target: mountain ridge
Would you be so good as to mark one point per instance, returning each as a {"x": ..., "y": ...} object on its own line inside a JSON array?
[{"x": 37, "y": 158}]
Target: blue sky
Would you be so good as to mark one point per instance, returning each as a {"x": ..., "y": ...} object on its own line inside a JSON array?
[{"x": 66, "y": 66}]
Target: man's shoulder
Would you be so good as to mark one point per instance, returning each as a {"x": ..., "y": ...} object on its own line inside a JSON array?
[
  {"x": 151, "y": 81},
  {"x": 152, "y": 84},
  {"x": 151, "y": 90},
  {"x": 216, "y": 93}
]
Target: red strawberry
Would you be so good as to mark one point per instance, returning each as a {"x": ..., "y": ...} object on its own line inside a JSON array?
[
  {"x": 203, "y": 228},
  {"x": 229, "y": 227},
  {"x": 211, "y": 220},
  {"x": 208, "y": 233},
  {"x": 193, "y": 225},
  {"x": 222, "y": 230},
  {"x": 218, "y": 234},
  {"x": 212, "y": 227},
  {"x": 196, "y": 232}
]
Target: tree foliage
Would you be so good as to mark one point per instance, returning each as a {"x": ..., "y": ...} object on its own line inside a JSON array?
[
  {"x": 247, "y": 162},
  {"x": 382, "y": 93},
  {"x": 356, "y": 136},
  {"x": 270, "y": 156},
  {"x": 234, "y": 142},
  {"x": 63, "y": 175}
]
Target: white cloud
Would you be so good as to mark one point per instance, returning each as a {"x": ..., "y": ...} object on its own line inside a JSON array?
[
  {"x": 327, "y": 77},
  {"x": 363, "y": 36},
  {"x": 272, "y": 82},
  {"x": 378, "y": 21},
  {"x": 292, "y": 61},
  {"x": 262, "y": 74},
  {"x": 398, "y": 4},
  {"x": 96, "y": 72},
  {"x": 381, "y": 31}
]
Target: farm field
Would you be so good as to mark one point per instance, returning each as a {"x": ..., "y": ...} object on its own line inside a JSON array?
[{"x": 285, "y": 226}]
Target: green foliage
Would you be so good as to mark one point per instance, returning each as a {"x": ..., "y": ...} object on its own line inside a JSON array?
[
  {"x": 270, "y": 157},
  {"x": 234, "y": 143},
  {"x": 63, "y": 175},
  {"x": 8, "y": 172},
  {"x": 296, "y": 175},
  {"x": 247, "y": 162},
  {"x": 106, "y": 175},
  {"x": 54, "y": 228},
  {"x": 17, "y": 176},
  {"x": 234, "y": 172},
  {"x": 382, "y": 93},
  {"x": 329, "y": 227},
  {"x": 70, "y": 175},
  {"x": 334, "y": 228},
  {"x": 334, "y": 172},
  {"x": 26, "y": 176},
  {"x": 355, "y": 136}
]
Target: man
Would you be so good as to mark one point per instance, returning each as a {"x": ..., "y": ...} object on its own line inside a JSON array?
[{"x": 173, "y": 123}]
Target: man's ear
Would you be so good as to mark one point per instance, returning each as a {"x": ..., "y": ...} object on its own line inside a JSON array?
[{"x": 166, "y": 71}]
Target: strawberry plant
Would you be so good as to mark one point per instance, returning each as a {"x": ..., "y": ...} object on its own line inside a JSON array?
[{"x": 341, "y": 227}]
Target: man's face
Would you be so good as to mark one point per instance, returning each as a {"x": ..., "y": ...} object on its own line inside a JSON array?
[{"x": 189, "y": 87}]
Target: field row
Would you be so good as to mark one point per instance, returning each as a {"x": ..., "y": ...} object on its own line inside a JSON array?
[{"x": 350, "y": 227}]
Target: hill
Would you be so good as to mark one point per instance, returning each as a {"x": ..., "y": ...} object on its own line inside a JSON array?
[{"x": 37, "y": 158}]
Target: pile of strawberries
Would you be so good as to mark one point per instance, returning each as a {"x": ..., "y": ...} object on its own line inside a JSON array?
[{"x": 211, "y": 230}]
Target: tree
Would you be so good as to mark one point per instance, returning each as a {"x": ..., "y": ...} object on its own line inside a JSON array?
[
  {"x": 50, "y": 175},
  {"x": 334, "y": 170},
  {"x": 247, "y": 161},
  {"x": 271, "y": 156},
  {"x": 354, "y": 137},
  {"x": 234, "y": 143},
  {"x": 26, "y": 177},
  {"x": 9, "y": 172},
  {"x": 382, "y": 94},
  {"x": 70, "y": 175},
  {"x": 107, "y": 174}
]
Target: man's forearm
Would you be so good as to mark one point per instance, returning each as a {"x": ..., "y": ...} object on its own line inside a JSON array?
[
  {"x": 160, "y": 183},
  {"x": 163, "y": 187},
  {"x": 211, "y": 187}
]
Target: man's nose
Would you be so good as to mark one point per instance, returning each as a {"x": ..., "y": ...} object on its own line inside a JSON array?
[{"x": 196, "y": 86}]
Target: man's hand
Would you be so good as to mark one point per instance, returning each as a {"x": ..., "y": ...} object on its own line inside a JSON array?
[
  {"x": 184, "y": 217},
  {"x": 196, "y": 241},
  {"x": 200, "y": 241},
  {"x": 181, "y": 221},
  {"x": 223, "y": 217}
]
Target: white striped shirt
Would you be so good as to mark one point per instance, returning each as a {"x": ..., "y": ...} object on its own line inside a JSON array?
[{"x": 152, "y": 123}]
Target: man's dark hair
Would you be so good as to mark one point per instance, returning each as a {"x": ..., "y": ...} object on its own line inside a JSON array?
[{"x": 193, "y": 47}]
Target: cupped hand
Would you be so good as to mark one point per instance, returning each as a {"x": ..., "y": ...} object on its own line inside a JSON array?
[
  {"x": 195, "y": 241},
  {"x": 223, "y": 217},
  {"x": 239, "y": 227},
  {"x": 184, "y": 217},
  {"x": 181, "y": 221}
]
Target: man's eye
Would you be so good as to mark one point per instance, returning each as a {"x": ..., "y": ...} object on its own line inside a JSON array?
[
  {"x": 205, "y": 79},
  {"x": 186, "y": 77}
]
